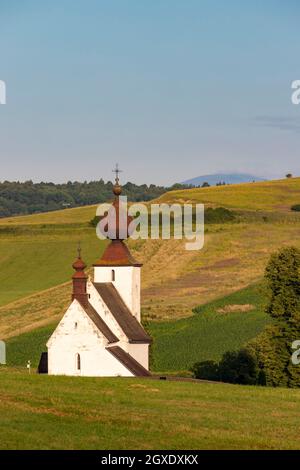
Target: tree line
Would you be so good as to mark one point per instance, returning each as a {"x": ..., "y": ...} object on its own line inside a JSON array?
[{"x": 19, "y": 198}]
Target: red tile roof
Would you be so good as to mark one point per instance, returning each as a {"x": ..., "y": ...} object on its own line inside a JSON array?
[
  {"x": 100, "y": 324},
  {"x": 128, "y": 323},
  {"x": 117, "y": 254},
  {"x": 128, "y": 361}
]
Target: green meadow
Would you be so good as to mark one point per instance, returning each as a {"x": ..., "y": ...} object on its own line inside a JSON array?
[
  {"x": 222, "y": 325},
  {"x": 35, "y": 258},
  {"x": 41, "y": 412}
]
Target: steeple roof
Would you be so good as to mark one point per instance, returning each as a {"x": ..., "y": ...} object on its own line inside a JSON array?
[
  {"x": 79, "y": 266},
  {"x": 117, "y": 253},
  {"x": 79, "y": 279},
  {"x": 115, "y": 224}
]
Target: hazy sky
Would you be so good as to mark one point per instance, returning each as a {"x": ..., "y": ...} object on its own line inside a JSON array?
[{"x": 170, "y": 89}]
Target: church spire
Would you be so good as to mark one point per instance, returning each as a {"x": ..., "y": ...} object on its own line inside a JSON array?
[
  {"x": 119, "y": 223},
  {"x": 117, "y": 189},
  {"x": 79, "y": 278}
]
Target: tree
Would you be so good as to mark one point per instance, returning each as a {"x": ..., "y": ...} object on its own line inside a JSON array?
[
  {"x": 273, "y": 347},
  {"x": 239, "y": 367},
  {"x": 289, "y": 175},
  {"x": 236, "y": 367},
  {"x": 205, "y": 185},
  {"x": 206, "y": 370}
]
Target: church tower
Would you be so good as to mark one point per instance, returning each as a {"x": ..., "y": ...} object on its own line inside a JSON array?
[{"x": 117, "y": 265}]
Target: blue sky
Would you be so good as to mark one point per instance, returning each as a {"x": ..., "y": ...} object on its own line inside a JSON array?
[{"x": 169, "y": 89}]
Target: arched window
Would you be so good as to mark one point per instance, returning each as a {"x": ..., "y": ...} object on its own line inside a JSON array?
[
  {"x": 113, "y": 275},
  {"x": 78, "y": 362}
]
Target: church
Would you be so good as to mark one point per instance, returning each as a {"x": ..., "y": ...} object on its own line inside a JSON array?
[{"x": 100, "y": 334}]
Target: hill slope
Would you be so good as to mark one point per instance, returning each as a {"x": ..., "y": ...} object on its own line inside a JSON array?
[
  {"x": 37, "y": 251},
  {"x": 228, "y": 178},
  {"x": 276, "y": 196}
]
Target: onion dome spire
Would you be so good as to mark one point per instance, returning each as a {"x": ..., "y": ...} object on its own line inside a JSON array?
[
  {"x": 79, "y": 278},
  {"x": 119, "y": 224},
  {"x": 117, "y": 188}
]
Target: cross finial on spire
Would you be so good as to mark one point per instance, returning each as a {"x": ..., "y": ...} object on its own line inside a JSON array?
[
  {"x": 117, "y": 171},
  {"x": 79, "y": 249}
]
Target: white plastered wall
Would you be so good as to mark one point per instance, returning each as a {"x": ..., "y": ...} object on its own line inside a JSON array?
[
  {"x": 140, "y": 352},
  {"x": 77, "y": 334}
]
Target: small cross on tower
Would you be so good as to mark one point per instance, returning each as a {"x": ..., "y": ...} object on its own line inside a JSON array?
[
  {"x": 117, "y": 171},
  {"x": 79, "y": 250}
]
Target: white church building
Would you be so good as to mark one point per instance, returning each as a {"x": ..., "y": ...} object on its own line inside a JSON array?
[{"x": 100, "y": 334}]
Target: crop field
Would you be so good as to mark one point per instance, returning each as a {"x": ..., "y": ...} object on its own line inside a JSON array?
[{"x": 222, "y": 325}]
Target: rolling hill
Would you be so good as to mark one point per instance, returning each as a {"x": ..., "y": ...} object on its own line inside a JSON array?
[
  {"x": 276, "y": 196},
  {"x": 37, "y": 251},
  {"x": 227, "y": 178}
]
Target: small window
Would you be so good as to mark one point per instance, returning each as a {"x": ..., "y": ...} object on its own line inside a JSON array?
[
  {"x": 78, "y": 362},
  {"x": 75, "y": 325},
  {"x": 113, "y": 275}
]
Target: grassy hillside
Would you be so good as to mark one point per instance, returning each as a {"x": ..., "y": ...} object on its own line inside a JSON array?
[
  {"x": 76, "y": 215},
  {"x": 35, "y": 258},
  {"x": 28, "y": 346},
  {"x": 267, "y": 195},
  {"x": 222, "y": 325},
  {"x": 173, "y": 280},
  {"x": 41, "y": 412},
  {"x": 36, "y": 253}
]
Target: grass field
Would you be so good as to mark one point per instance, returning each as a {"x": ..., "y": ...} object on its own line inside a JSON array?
[
  {"x": 75, "y": 215},
  {"x": 277, "y": 195},
  {"x": 37, "y": 258},
  {"x": 220, "y": 326},
  {"x": 41, "y": 412}
]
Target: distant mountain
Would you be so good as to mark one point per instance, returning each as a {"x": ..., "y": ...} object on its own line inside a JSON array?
[{"x": 228, "y": 178}]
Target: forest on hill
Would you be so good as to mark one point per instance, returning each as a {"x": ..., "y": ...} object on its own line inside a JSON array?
[{"x": 20, "y": 198}]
